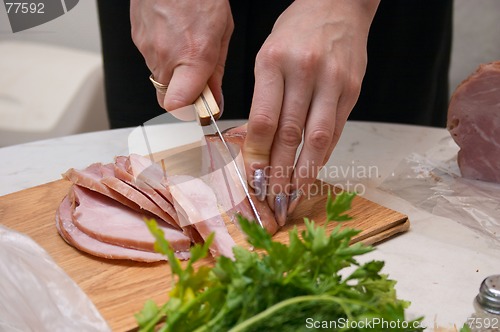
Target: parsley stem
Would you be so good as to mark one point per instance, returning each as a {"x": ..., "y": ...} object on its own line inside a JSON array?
[
  {"x": 185, "y": 309},
  {"x": 152, "y": 322},
  {"x": 294, "y": 300}
]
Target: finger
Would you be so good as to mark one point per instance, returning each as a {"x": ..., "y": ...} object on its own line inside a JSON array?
[
  {"x": 215, "y": 84},
  {"x": 298, "y": 93},
  {"x": 186, "y": 85},
  {"x": 162, "y": 78},
  {"x": 161, "y": 74},
  {"x": 262, "y": 124},
  {"x": 346, "y": 103},
  {"x": 318, "y": 138},
  {"x": 215, "y": 81},
  {"x": 339, "y": 127}
]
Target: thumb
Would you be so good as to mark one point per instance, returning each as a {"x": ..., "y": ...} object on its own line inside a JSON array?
[{"x": 186, "y": 85}]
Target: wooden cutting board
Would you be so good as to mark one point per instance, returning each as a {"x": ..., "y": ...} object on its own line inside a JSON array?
[{"x": 119, "y": 288}]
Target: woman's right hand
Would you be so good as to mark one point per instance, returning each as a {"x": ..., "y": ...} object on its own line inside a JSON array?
[{"x": 184, "y": 44}]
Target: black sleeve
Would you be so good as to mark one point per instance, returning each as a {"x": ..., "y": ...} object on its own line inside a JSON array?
[
  {"x": 409, "y": 50},
  {"x": 406, "y": 80},
  {"x": 130, "y": 96}
]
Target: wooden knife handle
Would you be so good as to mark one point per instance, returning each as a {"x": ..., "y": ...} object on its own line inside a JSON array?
[{"x": 205, "y": 100}]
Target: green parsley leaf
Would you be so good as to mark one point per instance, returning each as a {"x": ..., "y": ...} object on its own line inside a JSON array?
[
  {"x": 279, "y": 287},
  {"x": 336, "y": 209}
]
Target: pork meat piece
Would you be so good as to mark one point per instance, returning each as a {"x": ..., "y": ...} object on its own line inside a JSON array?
[
  {"x": 109, "y": 221},
  {"x": 474, "y": 123},
  {"x": 90, "y": 178},
  {"x": 145, "y": 171},
  {"x": 121, "y": 173},
  {"x": 76, "y": 238},
  {"x": 147, "y": 179},
  {"x": 226, "y": 178},
  {"x": 134, "y": 195},
  {"x": 196, "y": 204}
]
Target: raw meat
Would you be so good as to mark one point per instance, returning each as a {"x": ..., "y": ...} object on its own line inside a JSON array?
[
  {"x": 474, "y": 123},
  {"x": 109, "y": 221}
]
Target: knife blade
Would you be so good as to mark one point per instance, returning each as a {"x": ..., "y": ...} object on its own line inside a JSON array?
[
  {"x": 177, "y": 140},
  {"x": 208, "y": 112}
]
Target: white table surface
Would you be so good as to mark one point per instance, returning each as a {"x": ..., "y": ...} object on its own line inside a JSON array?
[{"x": 439, "y": 264}]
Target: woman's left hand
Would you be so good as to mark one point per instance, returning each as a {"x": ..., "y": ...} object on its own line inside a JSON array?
[{"x": 308, "y": 76}]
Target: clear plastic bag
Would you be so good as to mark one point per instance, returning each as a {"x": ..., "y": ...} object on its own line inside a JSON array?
[
  {"x": 433, "y": 183},
  {"x": 36, "y": 294}
]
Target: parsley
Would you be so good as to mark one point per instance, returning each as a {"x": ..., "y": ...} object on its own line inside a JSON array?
[{"x": 278, "y": 287}]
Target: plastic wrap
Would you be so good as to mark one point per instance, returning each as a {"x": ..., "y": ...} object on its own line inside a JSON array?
[
  {"x": 36, "y": 294},
  {"x": 433, "y": 183}
]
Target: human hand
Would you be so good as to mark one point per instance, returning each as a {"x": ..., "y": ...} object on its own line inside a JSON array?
[
  {"x": 308, "y": 76},
  {"x": 184, "y": 44}
]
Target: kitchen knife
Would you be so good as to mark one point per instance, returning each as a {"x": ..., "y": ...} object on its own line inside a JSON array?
[
  {"x": 177, "y": 140},
  {"x": 207, "y": 110}
]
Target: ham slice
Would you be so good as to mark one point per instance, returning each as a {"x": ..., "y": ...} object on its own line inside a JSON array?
[
  {"x": 474, "y": 123},
  {"x": 76, "y": 238},
  {"x": 196, "y": 204},
  {"x": 121, "y": 173},
  {"x": 146, "y": 184},
  {"x": 100, "y": 178},
  {"x": 226, "y": 178},
  {"x": 109, "y": 221},
  {"x": 133, "y": 194},
  {"x": 91, "y": 177},
  {"x": 145, "y": 171},
  {"x": 104, "y": 212}
]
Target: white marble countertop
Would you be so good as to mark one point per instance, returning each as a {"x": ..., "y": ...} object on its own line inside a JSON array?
[{"x": 439, "y": 264}]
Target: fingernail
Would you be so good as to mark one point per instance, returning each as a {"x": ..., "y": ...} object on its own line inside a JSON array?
[
  {"x": 259, "y": 184},
  {"x": 280, "y": 208},
  {"x": 294, "y": 200}
]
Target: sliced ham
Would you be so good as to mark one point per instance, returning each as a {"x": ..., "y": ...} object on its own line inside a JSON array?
[
  {"x": 105, "y": 209},
  {"x": 109, "y": 221},
  {"x": 146, "y": 171},
  {"x": 91, "y": 177},
  {"x": 133, "y": 194},
  {"x": 226, "y": 178},
  {"x": 474, "y": 123},
  {"x": 76, "y": 238},
  {"x": 147, "y": 184},
  {"x": 196, "y": 202},
  {"x": 122, "y": 174}
]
